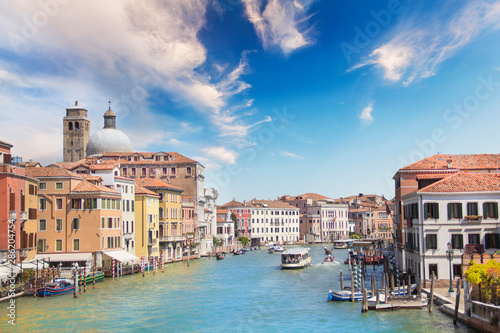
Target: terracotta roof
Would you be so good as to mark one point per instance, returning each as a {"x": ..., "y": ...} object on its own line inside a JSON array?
[
  {"x": 149, "y": 157},
  {"x": 222, "y": 211},
  {"x": 312, "y": 196},
  {"x": 233, "y": 203},
  {"x": 141, "y": 190},
  {"x": 85, "y": 186},
  {"x": 433, "y": 176},
  {"x": 152, "y": 183},
  {"x": 30, "y": 164},
  {"x": 104, "y": 166},
  {"x": 50, "y": 171},
  {"x": 466, "y": 182},
  {"x": 462, "y": 162},
  {"x": 92, "y": 178},
  {"x": 220, "y": 220},
  {"x": 70, "y": 165},
  {"x": 270, "y": 204}
]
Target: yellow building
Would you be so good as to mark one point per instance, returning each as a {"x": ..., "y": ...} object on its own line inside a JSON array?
[
  {"x": 170, "y": 217},
  {"x": 29, "y": 229},
  {"x": 146, "y": 221}
]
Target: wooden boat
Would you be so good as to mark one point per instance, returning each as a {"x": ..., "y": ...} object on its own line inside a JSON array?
[
  {"x": 60, "y": 286},
  {"x": 220, "y": 256},
  {"x": 329, "y": 259},
  {"x": 345, "y": 295},
  {"x": 271, "y": 250},
  {"x": 99, "y": 276},
  {"x": 297, "y": 257},
  {"x": 328, "y": 251},
  {"x": 342, "y": 243}
]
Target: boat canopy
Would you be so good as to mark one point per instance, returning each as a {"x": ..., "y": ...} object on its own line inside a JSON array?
[{"x": 295, "y": 251}]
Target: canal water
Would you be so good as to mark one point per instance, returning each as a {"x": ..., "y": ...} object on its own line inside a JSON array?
[{"x": 246, "y": 293}]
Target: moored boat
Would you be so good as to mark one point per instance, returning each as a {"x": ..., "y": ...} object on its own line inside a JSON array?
[
  {"x": 220, "y": 256},
  {"x": 295, "y": 258},
  {"x": 345, "y": 295},
  {"x": 60, "y": 286},
  {"x": 99, "y": 276}
]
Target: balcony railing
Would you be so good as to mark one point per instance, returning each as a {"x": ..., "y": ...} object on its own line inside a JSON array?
[
  {"x": 171, "y": 238},
  {"x": 13, "y": 215},
  {"x": 474, "y": 248},
  {"x": 24, "y": 215},
  {"x": 473, "y": 218}
]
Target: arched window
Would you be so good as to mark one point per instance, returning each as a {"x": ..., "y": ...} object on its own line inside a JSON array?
[
  {"x": 70, "y": 126},
  {"x": 77, "y": 126}
]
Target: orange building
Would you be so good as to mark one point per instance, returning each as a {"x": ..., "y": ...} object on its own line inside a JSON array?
[
  {"x": 17, "y": 209},
  {"x": 77, "y": 220}
]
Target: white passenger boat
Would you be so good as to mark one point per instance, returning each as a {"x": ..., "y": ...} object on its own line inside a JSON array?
[
  {"x": 342, "y": 243},
  {"x": 297, "y": 257}
]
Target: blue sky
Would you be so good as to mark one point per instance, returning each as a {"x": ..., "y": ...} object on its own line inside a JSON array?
[{"x": 273, "y": 97}]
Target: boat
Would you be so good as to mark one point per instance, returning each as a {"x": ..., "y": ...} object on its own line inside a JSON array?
[
  {"x": 328, "y": 251},
  {"x": 342, "y": 243},
  {"x": 99, "y": 276},
  {"x": 414, "y": 302},
  {"x": 271, "y": 250},
  {"x": 345, "y": 295},
  {"x": 277, "y": 248},
  {"x": 60, "y": 286},
  {"x": 297, "y": 257},
  {"x": 329, "y": 259},
  {"x": 220, "y": 256}
]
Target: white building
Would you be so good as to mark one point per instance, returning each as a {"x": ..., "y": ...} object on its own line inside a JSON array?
[
  {"x": 334, "y": 220},
  {"x": 274, "y": 221},
  {"x": 127, "y": 189},
  {"x": 225, "y": 228},
  {"x": 462, "y": 210},
  {"x": 208, "y": 229}
]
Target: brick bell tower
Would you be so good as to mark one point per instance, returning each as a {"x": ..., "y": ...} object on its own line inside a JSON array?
[{"x": 76, "y": 133}]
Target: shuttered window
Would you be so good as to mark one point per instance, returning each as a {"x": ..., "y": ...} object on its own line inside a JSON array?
[{"x": 454, "y": 211}]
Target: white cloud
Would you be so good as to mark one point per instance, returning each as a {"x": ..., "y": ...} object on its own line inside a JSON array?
[
  {"x": 366, "y": 115},
  {"x": 417, "y": 49},
  {"x": 292, "y": 155},
  {"x": 222, "y": 154},
  {"x": 116, "y": 49},
  {"x": 280, "y": 22}
]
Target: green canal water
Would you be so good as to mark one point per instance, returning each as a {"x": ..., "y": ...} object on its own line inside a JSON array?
[{"x": 247, "y": 293}]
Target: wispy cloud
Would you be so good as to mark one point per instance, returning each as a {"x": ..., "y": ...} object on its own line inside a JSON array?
[
  {"x": 419, "y": 47},
  {"x": 281, "y": 23},
  {"x": 292, "y": 155},
  {"x": 222, "y": 154},
  {"x": 366, "y": 115}
]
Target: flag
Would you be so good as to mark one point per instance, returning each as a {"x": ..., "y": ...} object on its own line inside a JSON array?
[{"x": 387, "y": 209}]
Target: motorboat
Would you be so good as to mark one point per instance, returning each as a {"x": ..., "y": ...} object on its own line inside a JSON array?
[
  {"x": 297, "y": 257},
  {"x": 329, "y": 259},
  {"x": 60, "y": 286},
  {"x": 342, "y": 243},
  {"x": 328, "y": 251},
  {"x": 345, "y": 295}
]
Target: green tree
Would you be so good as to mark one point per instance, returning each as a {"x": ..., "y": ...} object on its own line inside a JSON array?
[
  {"x": 235, "y": 221},
  {"x": 244, "y": 241},
  {"x": 217, "y": 242}
]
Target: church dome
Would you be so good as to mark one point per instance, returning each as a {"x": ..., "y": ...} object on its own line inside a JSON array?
[{"x": 109, "y": 139}]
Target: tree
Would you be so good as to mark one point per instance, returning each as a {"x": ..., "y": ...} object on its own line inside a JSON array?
[
  {"x": 235, "y": 221},
  {"x": 486, "y": 277},
  {"x": 244, "y": 241},
  {"x": 217, "y": 242}
]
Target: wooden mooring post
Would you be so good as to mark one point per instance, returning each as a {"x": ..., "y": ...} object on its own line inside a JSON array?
[
  {"x": 352, "y": 285},
  {"x": 431, "y": 299},
  {"x": 341, "y": 280},
  {"x": 374, "y": 285},
  {"x": 457, "y": 302}
]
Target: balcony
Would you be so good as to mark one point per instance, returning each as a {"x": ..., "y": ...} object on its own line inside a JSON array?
[
  {"x": 151, "y": 241},
  {"x": 473, "y": 218},
  {"x": 24, "y": 216},
  {"x": 13, "y": 215},
  {"x": 171, "y": 238},
  {"x": 474, "y": 248}
]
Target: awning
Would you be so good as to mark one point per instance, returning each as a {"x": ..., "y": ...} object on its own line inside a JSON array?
[
  {"x": 121, "y": 255},
  {"x": 53, "y": 257}
]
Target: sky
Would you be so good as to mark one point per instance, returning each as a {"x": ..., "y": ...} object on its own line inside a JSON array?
[{"x": 273, "y": 97}]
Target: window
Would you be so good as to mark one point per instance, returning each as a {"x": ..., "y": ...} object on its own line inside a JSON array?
[
  {"x": 431, "y": 242},
  {"x": 59, "y": 186},
  {"x": 457, "y": 241},
  {"x": 124, "y": 171},
  {"x": 431, "y": 210},
  {"x": 410, "y": 211},
  {"x": 42, "y": 225},
  {"x": 59, "y": 204},
  {"x": 474, "y": 239},
  {"x": 188, "y": 171},
  {"x": 457, "y": 270},
  {"x": 43, "y": 204},
  {"x": 42, "y": 186},
  {"x": 433, "y": 268},
  {"x": 173, "y": 172},
  {"x": 42, "y": 245},
  {"x": 492, "y": 241},
  {"x": 59, "y": 224},
  {"x": 110, "y": 222},
  {"x": 454, "y": 211},
  {"x": 76, "y": 204},
  {"x": 143, "y": 171},
  {"x": 161, "y": 212},
  {"x": 76, "y": 245},
  {"x": 472, "y": 208},
  {"x": 32, "y": 190},
  {"x": 58, "y": 245},
  {"x": 75, "y": 225},
  {"x": 490, "y": 210}
]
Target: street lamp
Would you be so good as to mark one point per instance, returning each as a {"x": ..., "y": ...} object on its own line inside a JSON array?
[{"x": 449, "y": 255}]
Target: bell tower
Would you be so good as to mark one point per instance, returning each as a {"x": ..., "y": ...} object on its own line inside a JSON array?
[{"x": 76, "y": 133}]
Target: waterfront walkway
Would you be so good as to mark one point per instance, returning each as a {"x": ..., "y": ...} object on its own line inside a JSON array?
[{"x": 447, "y": 304}]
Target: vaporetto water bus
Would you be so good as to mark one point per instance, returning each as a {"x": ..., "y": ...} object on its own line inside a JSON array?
[{"x": 297, "y": 257}]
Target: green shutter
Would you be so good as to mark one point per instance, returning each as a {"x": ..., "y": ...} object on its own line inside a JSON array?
[
  {"x": 450, "y": 213},
  {"x": 485, "y": 210},
  {"x": 427, "y": 241},
  {"x": 426, "y": 211},
  {"x": 460, "y": 210},
  {"x": 496, "y": 209},
  {"x": 487, "y": 241},
  {"x": 437, "y": 210}
]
